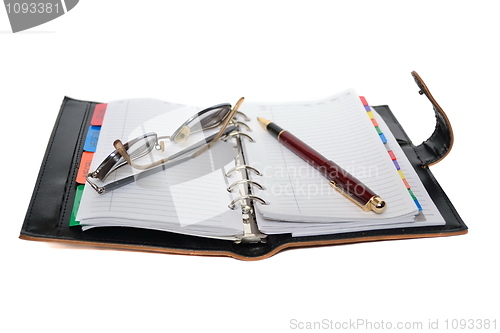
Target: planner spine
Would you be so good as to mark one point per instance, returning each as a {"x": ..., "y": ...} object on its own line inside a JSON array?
[{"x": 245, "y": 187}]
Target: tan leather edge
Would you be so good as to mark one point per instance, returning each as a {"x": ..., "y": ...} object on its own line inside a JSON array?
[
  {"x": 429, "y": 95},
  {"x": 153, "y": 249}
]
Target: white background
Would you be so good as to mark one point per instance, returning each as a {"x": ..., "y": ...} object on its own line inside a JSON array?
[{"x": 207, "y": 52}]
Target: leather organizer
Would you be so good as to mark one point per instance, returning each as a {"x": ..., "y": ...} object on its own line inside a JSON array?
[{"x": 48, "y": 214}]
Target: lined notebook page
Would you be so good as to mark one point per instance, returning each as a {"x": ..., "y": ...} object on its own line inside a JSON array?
[
  {"x": 188, "y": 198},
  {"x": 338, "y": 128},
  {"x": 430, "y": 211}
]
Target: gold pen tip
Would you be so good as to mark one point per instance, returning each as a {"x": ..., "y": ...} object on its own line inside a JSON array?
[{"x": 264, "y": 122}]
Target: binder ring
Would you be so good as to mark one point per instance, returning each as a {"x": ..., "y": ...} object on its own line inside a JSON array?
[
  {"x": 232, "y": 205},
  {"x": 248, "y": 167},
  {"x": 237, "y": 123},
  {"x": 243, "y": 115},
  {"x": 248, "y": 181},
  {"x": 237, "y": 134}
]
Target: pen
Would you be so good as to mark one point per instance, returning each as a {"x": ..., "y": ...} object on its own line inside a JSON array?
[{"x": 341, "y": 180}]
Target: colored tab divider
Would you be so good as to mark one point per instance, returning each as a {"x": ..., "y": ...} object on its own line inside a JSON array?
[
  {"x": 89, "y": 148},
  {"x": 76, "y": 205},
  {"x": 98, "y": 116},
  {"x": 91, "y": 142},
  {"x": 84, "y": 167},
  {"x": 92, "y": 138},
  {"x": 372, "y": 118},
  {"x": 390, "y": 152}
]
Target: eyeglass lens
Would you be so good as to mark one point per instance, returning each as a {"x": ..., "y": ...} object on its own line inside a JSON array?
[
  {"x": 211, "y": 118},
  {"x": 142, "y": 146}
]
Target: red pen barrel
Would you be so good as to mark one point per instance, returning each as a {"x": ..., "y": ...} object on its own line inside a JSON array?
[
  {"x": 331, "y": 170},
  {"x": 347, "y": 182}
]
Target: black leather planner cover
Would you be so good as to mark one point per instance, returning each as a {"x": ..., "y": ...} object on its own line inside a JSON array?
[{"x": 48, "y": 214}]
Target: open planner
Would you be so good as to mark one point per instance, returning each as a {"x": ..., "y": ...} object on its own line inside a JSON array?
[{"x": 247, "y": 196}]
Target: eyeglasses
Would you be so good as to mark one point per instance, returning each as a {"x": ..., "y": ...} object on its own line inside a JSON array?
[{"x": 127, "y": 153}]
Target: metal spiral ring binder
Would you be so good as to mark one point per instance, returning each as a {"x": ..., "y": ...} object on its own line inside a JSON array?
[{"x": 245, "y": 186}]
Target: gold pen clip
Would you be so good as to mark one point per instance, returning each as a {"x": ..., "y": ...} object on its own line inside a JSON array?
[{"x": 375, "y": 203}]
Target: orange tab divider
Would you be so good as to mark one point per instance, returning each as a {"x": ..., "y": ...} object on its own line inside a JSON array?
[{"x": 84, "y": 167}]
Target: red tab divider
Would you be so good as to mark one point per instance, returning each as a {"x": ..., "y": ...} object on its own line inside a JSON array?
[
  {"x": 98, "y": 116},
  {"x": 391, "y": 153},
  {"x": 363, "y": 100}
]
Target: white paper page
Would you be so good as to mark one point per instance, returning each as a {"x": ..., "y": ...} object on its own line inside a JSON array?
[
  {"x": 191, "y": 202},
  {"x": 150, "y": 203},
  {"x": 338, "y": 128}
]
